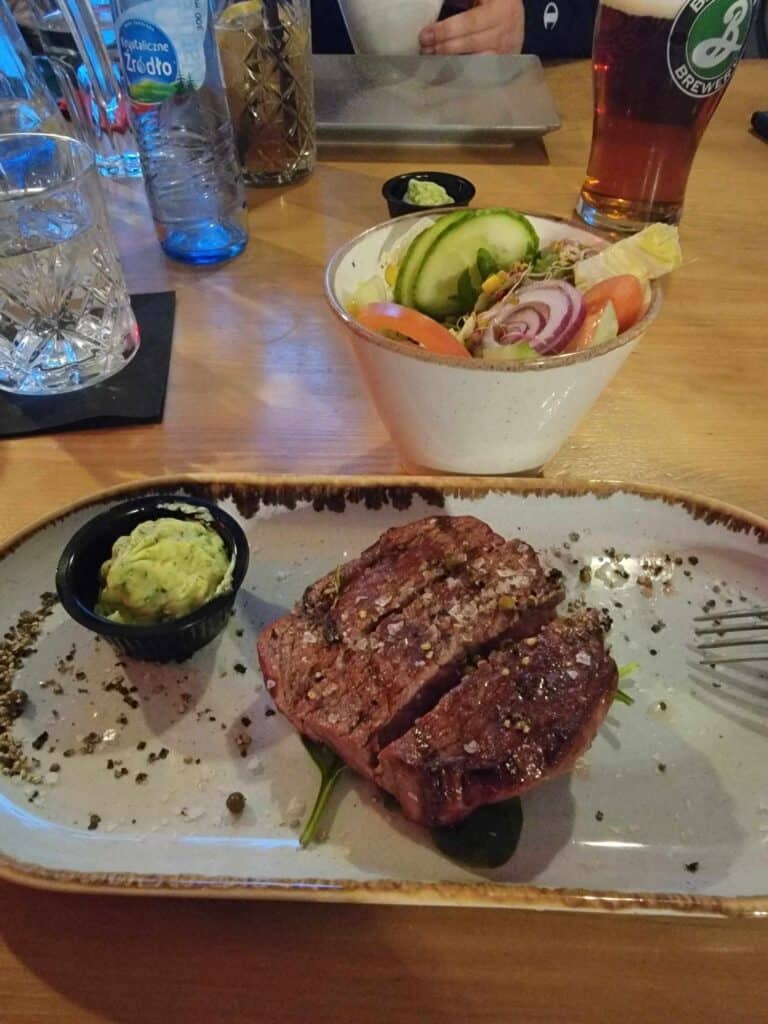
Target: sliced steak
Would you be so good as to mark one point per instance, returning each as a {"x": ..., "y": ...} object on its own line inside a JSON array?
[
  {"x": 360, "y": 695},
  {"x": 521, "y": 716},
  {"x": 403, "y": 562}
]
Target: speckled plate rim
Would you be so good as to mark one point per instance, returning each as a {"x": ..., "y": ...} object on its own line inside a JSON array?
[{"x": 288, "y": 490}]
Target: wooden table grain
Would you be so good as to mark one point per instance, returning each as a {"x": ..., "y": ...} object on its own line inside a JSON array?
[{"x": 261, "y": 380}]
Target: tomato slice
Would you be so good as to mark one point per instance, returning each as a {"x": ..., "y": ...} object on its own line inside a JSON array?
[
  {"x": 389, "y": 316},
  {"x": 626, "y": 294},
  {"x": 583, "y": 337}
]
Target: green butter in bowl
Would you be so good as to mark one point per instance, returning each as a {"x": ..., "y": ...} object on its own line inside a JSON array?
[
  {"x": 163, "y": 569},
  {"x": 156, "y": 576},
  {"x": 426, "y": 193}
]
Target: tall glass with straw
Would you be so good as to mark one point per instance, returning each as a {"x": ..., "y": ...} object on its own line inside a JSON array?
[{"x": 265, "y": 48}]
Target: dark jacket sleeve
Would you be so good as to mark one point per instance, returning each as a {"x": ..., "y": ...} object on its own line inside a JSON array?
[
  {"x": 559, "y": 28},
  {"x": 329, "y": 33}
]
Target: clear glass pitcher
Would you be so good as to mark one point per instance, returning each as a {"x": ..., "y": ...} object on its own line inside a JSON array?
[
  {"x": 26, "y": 105},
  {"x": 88, "y": 75}
]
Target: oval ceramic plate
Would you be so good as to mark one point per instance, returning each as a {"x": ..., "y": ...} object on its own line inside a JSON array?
[{"x": 668, "y": 811}]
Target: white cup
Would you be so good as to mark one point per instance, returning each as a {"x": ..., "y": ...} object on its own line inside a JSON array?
[{"x": 388, "y": 26}]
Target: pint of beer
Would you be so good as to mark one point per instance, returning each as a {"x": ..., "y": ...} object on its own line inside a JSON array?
[{"x": 660, "y": 70}]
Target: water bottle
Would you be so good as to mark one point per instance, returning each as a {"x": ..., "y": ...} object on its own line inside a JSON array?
[{"x": 180, "y": 117}]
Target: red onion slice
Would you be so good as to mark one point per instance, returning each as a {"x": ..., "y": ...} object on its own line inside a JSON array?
[
  {"x": 511, "y": 337},
  {"x": 514, "y": 322},
  {"x": 547, "y": 315},
  {"x": 530, "y": 318},
  {"x": 566, "y": 314}
]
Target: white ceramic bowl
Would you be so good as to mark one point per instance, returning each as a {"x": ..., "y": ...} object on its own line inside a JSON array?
[
  {"x": 472, "y": 416},
  {"x": 389, "y": 27}
]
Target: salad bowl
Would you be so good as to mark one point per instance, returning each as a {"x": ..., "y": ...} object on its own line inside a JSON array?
[{"x": 470, "y": 415}]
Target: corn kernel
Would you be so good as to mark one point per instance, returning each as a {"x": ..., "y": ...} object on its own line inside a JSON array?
[{"x": 494, "y": 282}]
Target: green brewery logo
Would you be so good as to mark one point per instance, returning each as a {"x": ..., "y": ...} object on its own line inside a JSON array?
[{"x": 705, "y": 44}]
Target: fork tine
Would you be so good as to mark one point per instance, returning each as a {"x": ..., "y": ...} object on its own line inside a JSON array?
[
  {"x": 730, "y": 661},
  {"x": 731, "y": 629},
  {"x": 715, "y": 620},
  {"x": 758, "y": 613},
  {"x": 732, "y": 643}
]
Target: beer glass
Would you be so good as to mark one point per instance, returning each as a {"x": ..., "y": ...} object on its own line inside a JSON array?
[{"x": 660, "y": 70}]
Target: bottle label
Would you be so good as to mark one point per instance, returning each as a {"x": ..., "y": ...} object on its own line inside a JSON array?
[
  {"x": 705, "y": 44},
  {"x": 162, "y": 49}
]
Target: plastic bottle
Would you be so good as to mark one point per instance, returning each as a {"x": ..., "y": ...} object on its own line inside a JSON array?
[{"x": 179, "y": 113}]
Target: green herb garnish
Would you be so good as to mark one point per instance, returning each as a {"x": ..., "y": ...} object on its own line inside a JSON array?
[
  {"x": 330, "y": 766},
  {"x": 467, "y": 292},
  {"x": 626, "y": 670},
  {"x": 486, "y": 264},
  {"x": 336, "y": 586},
  {"x": 558, "y": 259},
  {"x": 544, "y": 262},
  {"x": 624, "y": 698},
  {"x": 486, "y": 839}
]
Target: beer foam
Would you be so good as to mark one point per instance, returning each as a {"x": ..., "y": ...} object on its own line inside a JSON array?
[{"x": 647, "y": 8}]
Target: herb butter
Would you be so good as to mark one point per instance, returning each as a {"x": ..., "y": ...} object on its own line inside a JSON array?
[
  {"x": 164, "y": 569},
  {"x": 426, "y": 193}
]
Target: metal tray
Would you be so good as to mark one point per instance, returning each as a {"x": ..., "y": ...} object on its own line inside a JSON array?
[
  {"x": 478, "y": 100},
  {"x": 155, "y": 749}
]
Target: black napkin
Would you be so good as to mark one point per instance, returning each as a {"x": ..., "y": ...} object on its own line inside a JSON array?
[{"x": 134, "y": 395}]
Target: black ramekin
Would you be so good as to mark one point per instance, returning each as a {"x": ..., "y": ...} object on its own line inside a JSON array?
[
  {"x": 78, "y": 579},
  {"x": 461, "y": 190}
]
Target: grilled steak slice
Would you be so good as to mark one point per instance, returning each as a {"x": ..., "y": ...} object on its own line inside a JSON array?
[
  {"x": 306, "y": 646},
  {"x": 358, "y": 696},
  {"x": 403, "y": 563},
  {"x": 523, "y": 715}
]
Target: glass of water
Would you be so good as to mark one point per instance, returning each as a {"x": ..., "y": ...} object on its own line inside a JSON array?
[
  {"x": 26, "y": 105},
  {"x": 78, "y": 39},
  {"x": 65, "y": 316}
]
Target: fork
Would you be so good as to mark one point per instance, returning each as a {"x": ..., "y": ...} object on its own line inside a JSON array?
[{"x": 719, "y": 624}]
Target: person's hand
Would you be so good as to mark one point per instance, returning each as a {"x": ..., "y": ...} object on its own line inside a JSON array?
[{"x": 492, "y": 26}]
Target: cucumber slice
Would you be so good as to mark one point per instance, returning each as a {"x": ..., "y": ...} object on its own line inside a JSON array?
[
  {"x": 520, "y": 352},
  {"x": 607, "y": 327},
  {"x": 507, "y": 235},
  {"x": 414, "y": 254}
]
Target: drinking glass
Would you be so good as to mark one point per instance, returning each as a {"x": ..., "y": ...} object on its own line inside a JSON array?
[
  {"x": 78, "y": 38},
  {"x": 390, "y": 27},
  {"x": 26, "y": 105},
  {"x": 65, "y": 315},
  {"x": 661, "y": 68},
  {"x": 265, "y": 49}
]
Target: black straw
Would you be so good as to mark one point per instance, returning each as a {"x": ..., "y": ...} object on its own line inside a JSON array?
[{"x": 278, "y": 42}]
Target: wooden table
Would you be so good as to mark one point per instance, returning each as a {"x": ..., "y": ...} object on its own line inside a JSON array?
[{"x": 261, "y": 380}]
